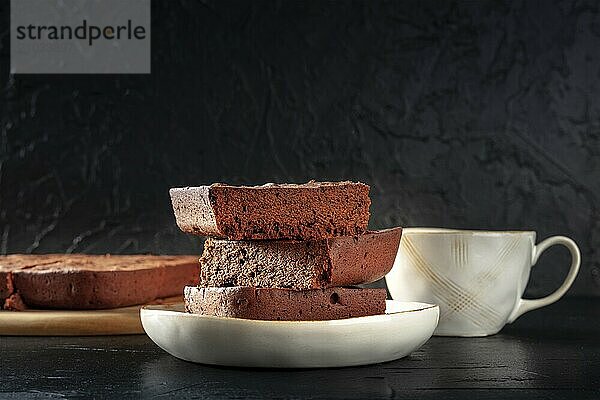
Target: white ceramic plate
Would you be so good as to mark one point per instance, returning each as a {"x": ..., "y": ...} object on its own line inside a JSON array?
[{"x": 291, "y": 344}]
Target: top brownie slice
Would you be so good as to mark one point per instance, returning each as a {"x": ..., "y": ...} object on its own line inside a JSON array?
[{"x": 314, "y": 210}]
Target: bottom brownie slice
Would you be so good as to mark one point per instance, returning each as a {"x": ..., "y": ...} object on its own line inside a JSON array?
[{"x": 284, "y": 304}]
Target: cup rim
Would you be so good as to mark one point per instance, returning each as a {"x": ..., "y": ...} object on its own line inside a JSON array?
[{"x": 474, "y": 232}]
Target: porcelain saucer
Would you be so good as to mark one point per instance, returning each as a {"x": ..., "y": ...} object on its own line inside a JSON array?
[{"x": 404, "y": 328}]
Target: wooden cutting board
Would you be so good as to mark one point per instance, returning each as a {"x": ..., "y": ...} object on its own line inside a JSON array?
[{"x": 116, "y": 321}]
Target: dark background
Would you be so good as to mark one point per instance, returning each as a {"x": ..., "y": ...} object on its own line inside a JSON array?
[{"x": 458, "y": 114}]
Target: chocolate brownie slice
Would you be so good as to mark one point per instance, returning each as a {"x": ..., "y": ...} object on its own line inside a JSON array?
[
  {"x": 340, "y": 261},
  {"x": 284, "y": 304},
  {"x": 78, "y": 281},
  {"x": 313, "y": 210}
]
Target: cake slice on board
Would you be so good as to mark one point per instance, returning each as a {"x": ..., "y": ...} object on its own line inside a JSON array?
[{"x": 79, "y": 281}]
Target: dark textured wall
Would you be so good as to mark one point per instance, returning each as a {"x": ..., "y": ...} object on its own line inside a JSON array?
[{"x": 459, "y": 114}]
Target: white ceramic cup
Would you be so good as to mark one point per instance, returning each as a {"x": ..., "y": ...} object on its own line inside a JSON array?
[{"x": 476, "y": 277}]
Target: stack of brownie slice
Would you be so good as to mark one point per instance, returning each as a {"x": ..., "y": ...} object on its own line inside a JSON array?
[{"x": 285, "y": 251}]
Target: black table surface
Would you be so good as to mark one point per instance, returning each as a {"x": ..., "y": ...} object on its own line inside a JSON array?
[{"x": 549, "y": 353}]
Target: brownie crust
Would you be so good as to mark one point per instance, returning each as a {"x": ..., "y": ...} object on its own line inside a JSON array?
[
  {"x": 299, "y": 265},
  {"x": 284, "y": 304},
  {"x": 93, "y": 281},
  {"x": 313, "y": 210}
]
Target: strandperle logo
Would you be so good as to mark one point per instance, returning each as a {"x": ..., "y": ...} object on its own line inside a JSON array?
[
  {"x": 85, "y": 31},
  {"x": 80, "y": 36}
]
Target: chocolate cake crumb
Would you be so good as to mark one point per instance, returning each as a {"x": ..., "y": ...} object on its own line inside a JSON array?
[{"x": 14, "y": 302}]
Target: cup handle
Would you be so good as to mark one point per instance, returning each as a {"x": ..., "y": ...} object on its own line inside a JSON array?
[{"x": 525, "y": 305}]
